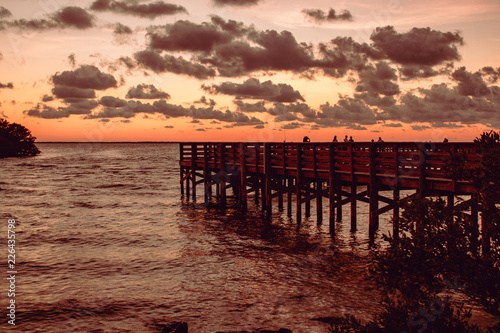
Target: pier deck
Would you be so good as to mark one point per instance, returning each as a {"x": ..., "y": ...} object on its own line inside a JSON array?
[{"x": 312, "y": 171}]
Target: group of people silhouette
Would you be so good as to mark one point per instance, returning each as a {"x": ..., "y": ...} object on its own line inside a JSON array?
[{"x": 350, "y": 139}]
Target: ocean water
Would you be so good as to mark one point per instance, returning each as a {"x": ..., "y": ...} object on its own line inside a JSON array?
[{"x": 104, "y": 243}]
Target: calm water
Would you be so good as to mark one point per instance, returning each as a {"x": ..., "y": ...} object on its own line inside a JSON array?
[{"x": 105, "y": 244}]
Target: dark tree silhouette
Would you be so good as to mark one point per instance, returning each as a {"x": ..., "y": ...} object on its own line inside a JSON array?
[{"x": 16, "y": 140}]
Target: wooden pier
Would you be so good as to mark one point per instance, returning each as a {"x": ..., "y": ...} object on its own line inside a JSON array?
[{"x": 305, "y": 172}]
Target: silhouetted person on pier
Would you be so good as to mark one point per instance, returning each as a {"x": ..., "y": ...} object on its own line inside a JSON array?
[
  {"x": 335, "y": 139},
  {"x": 445, "y": 140},
  {"x": 306, "y": 139},
  {"x": 346, "y": 139},
  {"x": 350, "y": 139},
  {"x": 380, "y": 139}
]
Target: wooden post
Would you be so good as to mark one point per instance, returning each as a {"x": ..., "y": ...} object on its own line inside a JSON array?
[
  {"x": 338, "y": 189},
  {"x": 194, "y": 153},
  {"x": 485, "y": 237},
  {"x": 267, "y": 199},
  {"x": 395, "y": 213},
  {"x": 373, "y": 192},
  {"x": 280, "y": 197},
  {"x": 257, "y": 178},
  {"x": 298, "y": 182},
  {"x": 319, "y": 201},
  {"x": 353, "y": 191},
  {"x": 181, "y": 151},
  {"x": 353, "y": 207},
  {"x": 206, "y": 173},
  {"x": 223, "y": 174},
  {"x": 422, "y": 170},
  {"x": 308, "y": 202},
  {"x": 451, "y": 204},
  {"x": 474, "y": 209},
  {"x": 243, "y": 178},
  {"x": 289, "y": 198},
  {"x": 331, "y": 186}
]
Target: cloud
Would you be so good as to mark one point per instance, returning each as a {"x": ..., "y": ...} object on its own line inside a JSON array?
[
  {"x": 410, "y": 72},
  {"x": 4, "y": 12},
  {"x": 419, "y": 46},
  {"x": 169, "y": 126},
  {"x": 159, "y": 64},
  {"x": 292, "y": 125},
  {"x": 254, "y": 89},
  {"x": 470, "y": 84},
  {"x": 272, "y": 51},
  {"x": 67, "y": 92},
  {"x": 112, "y": 102},
  {"x": 8, "y": 85},
  {"x": 250, "y": 107},
  {"x": 74, "y": 16},
  {"x": 145, "y": 91},
  {"x": 151, "y": 10},
  {"x": 441, "y": 105},
  {"x": 205, "y": 101},
  {"x": 395, "y": 125},
  {"x": 46, "y": 112},
  {"x": 242, "y": 3},
  {"x": 67, "y": 17},
  {"x": 346, "y": 112},
  {"x": 188, "y": 36},
  {"x": 47, "y": 98},
  {"x": 319, "y": 16},
  {"x": 376, "y": 86},
  {"x": 296, "y": 108},
  {"x": 121, "y": 29},
  {"x": 85, "y": 77}
]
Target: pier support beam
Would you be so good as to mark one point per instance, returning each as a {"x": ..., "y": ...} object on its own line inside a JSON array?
[
  {"x": 331, "y": 187},
  {"x": 308, "y": 202},
  {"x": 298, "y": 181},
  {"x": 267, "y": 198},
  {"x": 222, "y": 174},
  {"x": 373, "y": 192},
  {"x": 319, "y": 202},
  {"x": 395, "y": 214},
  {"x": 353, "y": 207},
  {"x": 194, "y": 154},
  {"x": 243, "y": 178}
]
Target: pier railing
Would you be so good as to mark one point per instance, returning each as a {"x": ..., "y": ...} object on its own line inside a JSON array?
[{"x": 412, "y": 165}]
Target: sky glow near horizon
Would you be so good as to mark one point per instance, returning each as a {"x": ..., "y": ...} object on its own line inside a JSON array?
[{"x": 250, "y": 70}]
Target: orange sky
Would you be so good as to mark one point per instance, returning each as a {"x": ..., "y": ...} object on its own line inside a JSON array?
[{"x": 192, "y": 69}]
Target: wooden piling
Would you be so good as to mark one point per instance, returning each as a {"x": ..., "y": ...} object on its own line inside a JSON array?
[
  {"x": 193, "y": 168},
  {"x": 331, "y": 186},
  {"x": 298, "y": 182},
  {"x": 181, "y": 160},
  {"x": 223, "y": 173},
  {"x": 206, "y": 174},
  {"x": 243, "y": 177},
  {"x": 373, "y": 192},
  {"x": 267, "y": 199},
  {"x": 485, "y": 237},
  {"x": 353, "y": 207},
  {"x": 319, "y": 202}
]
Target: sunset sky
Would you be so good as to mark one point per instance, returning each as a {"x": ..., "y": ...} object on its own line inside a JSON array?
[{"x": 250, "y": 70}]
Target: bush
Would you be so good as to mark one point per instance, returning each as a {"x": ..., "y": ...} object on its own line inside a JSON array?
[{"x": 16, "y": 140}]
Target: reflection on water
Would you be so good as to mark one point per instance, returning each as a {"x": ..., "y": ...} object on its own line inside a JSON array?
[{"x": 105, "y": 244}]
